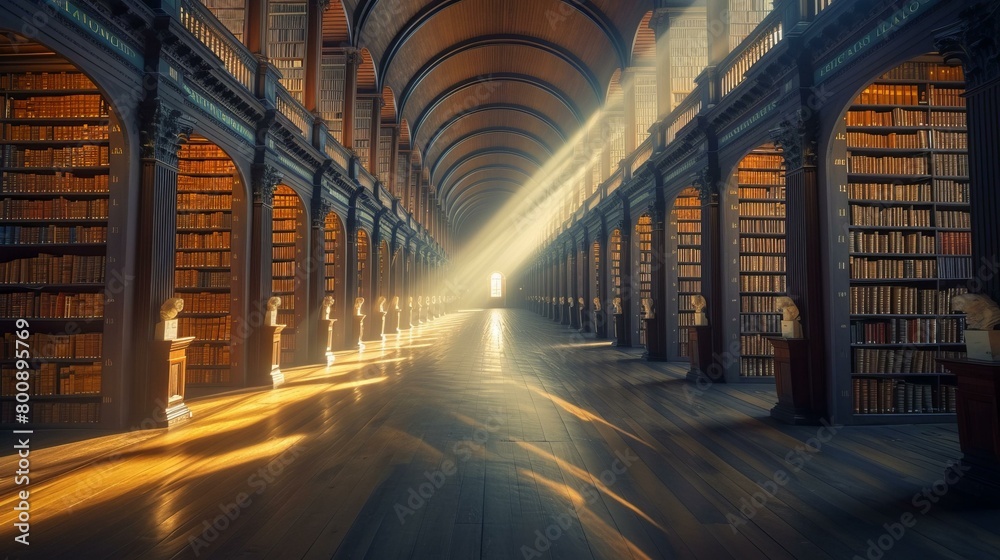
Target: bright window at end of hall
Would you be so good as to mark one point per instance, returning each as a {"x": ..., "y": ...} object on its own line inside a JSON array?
[{"x": 496, "y": 285}]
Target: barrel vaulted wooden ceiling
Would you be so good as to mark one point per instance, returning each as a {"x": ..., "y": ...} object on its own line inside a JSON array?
[{"x": 489, "y": 90}]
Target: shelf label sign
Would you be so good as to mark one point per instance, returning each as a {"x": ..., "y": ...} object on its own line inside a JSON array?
[
  {"x": 747, "y": 124},
  {"x": 98, "y": 31},
  {"x": 217, "y": 113},
  {"x": 899, "y": 19}
]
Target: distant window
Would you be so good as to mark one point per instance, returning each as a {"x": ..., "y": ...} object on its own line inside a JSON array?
[{"x": 496, "y": 285}]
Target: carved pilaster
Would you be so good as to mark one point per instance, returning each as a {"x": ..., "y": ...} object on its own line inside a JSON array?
[
  {"x": 320, "y": 210},
  {"x": 265, "y": 181},
  {"x": 163, "y": 132}
]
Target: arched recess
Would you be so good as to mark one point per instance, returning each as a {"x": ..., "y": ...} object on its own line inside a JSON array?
[
  {"x": 685, "y": 232},
  {"x": 899, "y": 204},
  {"x": 363, "y": 271},
  {"x": 66, "y": 201},
  {"x": 334, "y": 259},
  {"x": 642, "y": 273},
  {"x": 755, "y": 254},
  {"x": 289, "y": 272},
  {"x": 212, "y": 245}
]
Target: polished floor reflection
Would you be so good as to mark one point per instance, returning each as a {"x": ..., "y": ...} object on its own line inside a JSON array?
[{"x": 496, "y": 434}]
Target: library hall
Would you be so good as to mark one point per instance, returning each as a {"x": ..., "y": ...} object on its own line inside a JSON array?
[{"x": 500, "y": 279}]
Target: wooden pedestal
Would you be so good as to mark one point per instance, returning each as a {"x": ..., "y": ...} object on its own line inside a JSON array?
[
  {"x": 600, "y": 324},
  {"x": 322, "y": 347},
  {"x": 567, "y": 315},
  {"x": 656, "y": 343},
  {"x": 584, "y": 320},
  {"x": 421, "y": 314},
  {"x": 801, "y": 392},
  {"x": 393, "y": 326},
  {"x": 978, "y": 407},
  {"x": 700, "y": 344},
  {"x": 359, "y": 329},
  {"x": 407, "y": 319},
  {"x": 377, "y": 330},
  {"x": 273, "y": 333},
  {"x": 169, "y": 366},
  {"x": 621, "y": 336}
]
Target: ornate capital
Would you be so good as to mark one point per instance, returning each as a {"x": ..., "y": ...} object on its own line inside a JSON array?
[
  {"x": 162, "y": 132},
  {"x": 320, "y": 211},
  {"x": 353, "y": 56},
  {"x": 707, "y": 184},
  {"x": 265, "y": 181},
  {"x": 974, "y": 42},
  {"x": 798, "y": 148}
]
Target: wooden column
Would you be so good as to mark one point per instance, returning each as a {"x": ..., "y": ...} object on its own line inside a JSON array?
[
  {"x": 353, "y": 61},
  {"x": 264, "y": 180},
  {"x": 393, "y": 185},
  {"x": 375, "y": 134},
  {"x": 162, "y": 131},
  {"x": 256, "y": 26},
  {"x": 314, "y": 53}
]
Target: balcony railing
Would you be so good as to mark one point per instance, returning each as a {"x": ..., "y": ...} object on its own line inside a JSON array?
[
  {"x": 682, "y": 116},
  {"x": 820, "y": 5},
  {"x": 237, "y": 59},
  {"x": 735, "y": 67},
  {"x": 294, "y": 112},
  {"x": 642, "y": 155},
  {"x": 336, "y": 152}
]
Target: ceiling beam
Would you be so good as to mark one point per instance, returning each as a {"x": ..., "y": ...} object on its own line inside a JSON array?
[{"x": 486, "y": 132}]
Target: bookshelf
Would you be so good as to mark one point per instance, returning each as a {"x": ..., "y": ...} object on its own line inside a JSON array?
[
  {"x": 688, "y": 49},
  {"x": 760, "y": 183},
  {"x": 287, "y": 273},
  {"x": 384, "y": 155},
  {"x": 903, "y": 204},
  {"x": 615, "y": 254},
  {"x": 55, "y": 159},
  {"x": 595, "y": 277},
  {"x": 333, "y": 73},
  {"x": 332, "y": 253},
  {"x": 286, "y": 33},
  {"x": 644, "y": 85},
  {"x": 204, "y": 259},
  {"x": 644, "y": 271},
  {"x": 744, "y": 16},
  {"x": 363, "y": 129},
  {"x": 686, "y": 216},
  {"x": 230, "y": 13}
]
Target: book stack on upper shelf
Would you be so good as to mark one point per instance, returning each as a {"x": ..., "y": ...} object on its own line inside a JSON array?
[
  {"x": 286, "y": 31},
  {"x": 909, "y": 241},
  {"x": 205, "y": 180},
  {"x": 687, "y": 216},
  {"x": 761, "y": 184},
  {"x": 615, "y": 253},
  {"x": 644, "y": 270},
  {"x": 54, "y": 192},
  {"x": 287, "y": 248}
]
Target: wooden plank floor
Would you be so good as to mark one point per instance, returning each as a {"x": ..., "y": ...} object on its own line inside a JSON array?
[{"x": 494, "y": 434}]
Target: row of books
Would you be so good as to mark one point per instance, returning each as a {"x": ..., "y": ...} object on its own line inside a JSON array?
[
  {"x": 201, "y": 279},
  {"x": 206, "y": 302},
  {"x": 762, "y": 324},
  {"x": 53, "y": 269},
  {"x": 948, "y": 190},
  {"x": 908, "y": 331},
  {"x": 926, "y": 71},
  {"x": 902, "y": 300},
  {"x": 59, "y": 182},
  {"x": 894, "y": 117},
  {"x": 776, "y": 193},
  {"x": 204, "y": 328},
  {"x": 208, "y": 354},
  {"x": 761, "y": 263},
  {"x": 895, "y": 396},
  {"x": 282, "y": 268},
  {"x": 863, "y": 268},
  {"x": 44, "y": 235},
  {"x": 888, "y": 165},
  {"x": 214, "y": 240},
  {"x": 53, "y": 209},
  {"x": 215, "y": 376},
  {"x": 57, "y": 107},
  {"x": 946, "y": 97},
  {"x": 951, "y": 165},
  {"x": 762, "y": 245},
  {"x": 187, "y": 183},
  {"x": 283, "y": 238},
  {"x": 689, "y": 255},
  {"x": 895, "y": 360},
  {"x": 689, "y": 271},
  {"x": 45, "y": 80},
  {"x": 283, "y": 285},
  {"x": 689, "y": 239},
  {"x": 756, "y": 367},
  {"x": 955, "y": 242},
  {"x": 762, "y": 209},
  {"x": 892, "y": 242},
  {"x": 901, "y": 141},
  {"x": 206, "y": 166},
  {"x": 45, "y": 305},
  {"x": 70, "y": 133},
  {"x": 749, "y": 177},
  {"x": 943, "y": 140},
  {"x": 762, "y": 283},
  {"x": 750, "y": 225},
  {"x": 57, "y": 412},
  {"x": 881, "y": 94},
  {"x": 286, "y": 211},
  {"x": 757, "y": 304},
  {"x": 203, "y": 259},
  {"x": 204, "y": 202},
  {"x": 71, "y": 156},
  {"x": 943, "y": 191},
  {"x": 690, "y": 216},
  {"x": 214, "y": 220},
  {"x": 755, "y": 346},
  {"x": 195, "y": 152},
  {"x": 286, "y": 226},
  {"x": 890, "y": 216},
  {"x": 955, "y": 268},
  {"x": 949, "y": 119},
  {"x": 49, "y": 346}
]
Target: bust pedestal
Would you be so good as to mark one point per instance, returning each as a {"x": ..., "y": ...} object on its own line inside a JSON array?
[
  {"x": 656, "y": 343},
  {"x": 801, "y": 393},
  {"x": 166, "y": 383},
  {"x": 600, "y": 324},
  {"x": 377, "y": 332},
  {"x": 359, "y": 328},
  {"x": 700, "y": 344},
  {"x": 393, "y": 326},
  {"x": 567, "y": 317},
  {"x": 620, "y": 333},
  {"x": 407, "y": 318},
  {"x": 322, "y": 347},
  {"x": 273, "y": 351},
  {"x": 978, "y": 406},
  {"x": 584, "y": 319}
]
